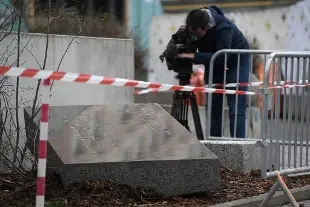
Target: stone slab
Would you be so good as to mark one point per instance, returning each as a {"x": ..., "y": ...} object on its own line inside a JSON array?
[
  {"x": 57, "y": 119},
  {"x": 241, "y": 156},
  {"x": 138, "y": 144}
]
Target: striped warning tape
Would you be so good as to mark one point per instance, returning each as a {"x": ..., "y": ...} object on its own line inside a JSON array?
[
  {"x": 276, "y": 85},
  {"x": 150, "y": 87},
  {"x": 94, "y": 79},
  {"x": 257, "y": 84},
  {"x": 199, "y": 89},
  {"x": 290, "y": 86}
]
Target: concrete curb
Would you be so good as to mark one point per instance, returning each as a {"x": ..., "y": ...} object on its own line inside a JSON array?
[{"x": 300, "y": 194}]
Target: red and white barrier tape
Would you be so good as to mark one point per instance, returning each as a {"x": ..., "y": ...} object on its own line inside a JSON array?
[
  {"x": 290, "y": 86},
  {"x": 93, "y": 79},
  {"x": 201, "y": 89},
  {"x": 257, "y": 84},
  {"x": 280, "y": 85}
]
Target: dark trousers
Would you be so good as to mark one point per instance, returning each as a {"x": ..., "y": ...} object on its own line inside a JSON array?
[{"x": 217, "y": 102}]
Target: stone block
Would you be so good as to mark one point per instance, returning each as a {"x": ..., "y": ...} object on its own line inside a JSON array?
[
  {"x": 137, "y": 144},
  {"x": 58, "y": 118},
  {"x": 241, "y": 156}
]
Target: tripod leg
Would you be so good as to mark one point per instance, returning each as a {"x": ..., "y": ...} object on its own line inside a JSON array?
[
  {"x": 196, "y": 117},
  {"x": 184, "y": 116},
  {"x": 179, "y": 108},
  {"x": 176, "y": 104},
  {"x": 173, "y": 107}
]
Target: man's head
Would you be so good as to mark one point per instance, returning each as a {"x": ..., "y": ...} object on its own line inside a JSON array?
[{"x": 197, "y": 21}]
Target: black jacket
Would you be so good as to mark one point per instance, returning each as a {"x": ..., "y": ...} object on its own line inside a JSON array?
[{"x": 224, "y": 35}]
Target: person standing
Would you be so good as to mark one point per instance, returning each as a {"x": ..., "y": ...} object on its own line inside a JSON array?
[{"x": 217, "y": 32}]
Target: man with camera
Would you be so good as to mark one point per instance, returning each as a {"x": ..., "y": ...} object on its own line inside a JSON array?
[{"x": 216, "y": 32}]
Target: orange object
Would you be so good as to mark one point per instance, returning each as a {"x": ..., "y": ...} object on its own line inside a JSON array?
[
  {"x": 274, "y": 70},
  {"x": 197, "y": 80}
]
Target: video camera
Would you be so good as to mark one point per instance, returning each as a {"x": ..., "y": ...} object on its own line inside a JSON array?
[{"x": 181, "y": 42}]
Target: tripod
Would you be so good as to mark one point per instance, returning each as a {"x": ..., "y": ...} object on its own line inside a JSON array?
[{"x": 181, "y": 101}]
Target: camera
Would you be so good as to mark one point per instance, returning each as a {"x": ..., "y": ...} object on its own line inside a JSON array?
[{"x": 181, "y": 42}]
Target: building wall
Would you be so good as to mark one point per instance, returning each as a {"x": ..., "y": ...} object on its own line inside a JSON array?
[
  {"x": 268, "y": 27},
  {"x": 6, "y": 14},
  {"x": 299, "y": 32},
  {"x": 96, "y": 56},
  {"x": 140, "y": 17},
  {"x": 187, "y": 5},
  {"x": 286, "y": 28}
]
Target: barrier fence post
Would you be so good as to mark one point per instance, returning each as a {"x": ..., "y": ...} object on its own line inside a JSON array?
[
  {"x": 40, "y": 194},
  {"x": 279, "y": 184}
]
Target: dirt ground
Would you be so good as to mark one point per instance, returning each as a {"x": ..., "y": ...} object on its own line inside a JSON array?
[{"x": 16, "y": 190}]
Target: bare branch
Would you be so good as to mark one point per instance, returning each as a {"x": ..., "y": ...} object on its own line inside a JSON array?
[
  {"x": 44, "y": 63},
  {"x": 17, "y": 90},
  {"x": 12, "y": 165},
  {"x": 62, "y": 57},
  {"x": 8, "y": 33},
  {"x": 35, "y": 58}
]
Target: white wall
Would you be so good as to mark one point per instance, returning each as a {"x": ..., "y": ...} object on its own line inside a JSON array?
[
  {"x": 97, "y": 56},
  {"x": 267, "y": 26},
  {"x": 299, "y": 38}
]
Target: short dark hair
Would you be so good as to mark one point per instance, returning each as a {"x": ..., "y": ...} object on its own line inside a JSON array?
[{"x": 197, "y": 19}]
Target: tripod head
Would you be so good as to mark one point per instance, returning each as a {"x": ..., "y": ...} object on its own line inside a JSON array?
[
  {"x": 185, "y": 70},
  {"x": 184, "y": 78}
]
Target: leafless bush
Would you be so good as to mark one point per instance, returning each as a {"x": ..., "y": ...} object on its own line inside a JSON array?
[
  {"x": 14, "y": 151},
  {"x": 9, "y": 116}
]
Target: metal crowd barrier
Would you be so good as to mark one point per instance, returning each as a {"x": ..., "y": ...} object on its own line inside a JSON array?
[
  {"x": 285, "y": 111},
  {"x": 225, "y": 52},
  {"x": 287, "y": 134}
]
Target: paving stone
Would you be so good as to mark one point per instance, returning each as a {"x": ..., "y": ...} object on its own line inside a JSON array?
[{"x": 301, "y": 203}]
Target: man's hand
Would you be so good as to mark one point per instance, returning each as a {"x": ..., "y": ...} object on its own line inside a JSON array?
[{"x": 186, "y": 55}]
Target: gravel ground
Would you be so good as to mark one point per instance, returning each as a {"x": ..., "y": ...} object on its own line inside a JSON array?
[{"x": 16, "y": 190}]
